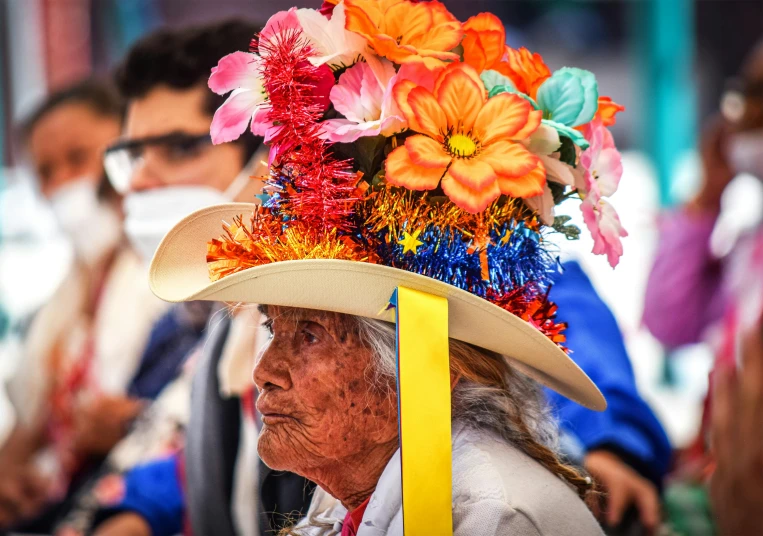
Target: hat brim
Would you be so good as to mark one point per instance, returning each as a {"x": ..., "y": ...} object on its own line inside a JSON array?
[{"x": 179, "y": 273}]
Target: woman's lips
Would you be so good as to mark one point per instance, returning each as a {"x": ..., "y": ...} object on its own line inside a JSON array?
[{"x": 276, "y": 418}]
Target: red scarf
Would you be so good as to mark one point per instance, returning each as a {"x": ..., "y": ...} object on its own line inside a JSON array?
[{"x": 352, "y": 519}]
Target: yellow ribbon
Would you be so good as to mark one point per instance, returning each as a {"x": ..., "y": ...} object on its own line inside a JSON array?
[{"x": 424, "y": 411}]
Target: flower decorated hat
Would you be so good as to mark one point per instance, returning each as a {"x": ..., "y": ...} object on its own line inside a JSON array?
[{"x": 415, "y": 163}]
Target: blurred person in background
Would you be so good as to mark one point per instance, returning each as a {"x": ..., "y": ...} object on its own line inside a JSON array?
[
  {"x": 625, "y": 447},
  {"x": 166, "y": 166},
  {"x": 693, "y": 295},
  {"x": 83, "y": 346},
  {"x": 737, "y": 440}
]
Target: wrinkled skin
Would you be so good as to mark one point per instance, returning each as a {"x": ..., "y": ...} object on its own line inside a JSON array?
[{"x": 323, "y": 417}]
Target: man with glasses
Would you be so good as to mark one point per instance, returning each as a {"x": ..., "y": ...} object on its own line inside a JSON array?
[{"x": 166, "y": 167}]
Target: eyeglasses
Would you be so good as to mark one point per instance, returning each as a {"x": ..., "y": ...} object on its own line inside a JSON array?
[{"x": 169, "y": 153}]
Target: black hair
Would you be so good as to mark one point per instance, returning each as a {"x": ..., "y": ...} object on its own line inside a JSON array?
[
  {"x": 183, "y": 59},
  {"x": 98, "y": 95}
]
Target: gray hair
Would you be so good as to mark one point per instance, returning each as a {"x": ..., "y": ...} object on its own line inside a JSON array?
[{"x": 493, "y": 408}]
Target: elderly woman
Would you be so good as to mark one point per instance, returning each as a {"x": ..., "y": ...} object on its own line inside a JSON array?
[
  {"x": 406, "y": 176},
  {"x": 328, "y": 401}
]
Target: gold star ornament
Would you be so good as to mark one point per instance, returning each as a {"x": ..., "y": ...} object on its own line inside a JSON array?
[{"x": 410, "y": 242}]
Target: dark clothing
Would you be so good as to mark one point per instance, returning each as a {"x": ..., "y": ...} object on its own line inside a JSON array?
[
  {"x": 171, "y": 341},
  {"x": 211, "y": 444},
  {"x": 211, "y": 450}
]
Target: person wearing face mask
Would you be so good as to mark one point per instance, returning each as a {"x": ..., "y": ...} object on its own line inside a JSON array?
[
  {"x": 165, "y": 166},
  {"x": 692, "y": 295},
  {"x": 82, "y": 347}
]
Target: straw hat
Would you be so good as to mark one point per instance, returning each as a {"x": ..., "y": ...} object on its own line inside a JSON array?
[{"x": 179, "y": 272}]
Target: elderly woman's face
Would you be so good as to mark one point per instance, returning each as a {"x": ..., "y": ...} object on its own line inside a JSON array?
[{"x": 316, "y": 394}]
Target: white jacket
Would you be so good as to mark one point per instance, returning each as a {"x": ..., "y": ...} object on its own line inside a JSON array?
[{"x": 497, "y": 490}]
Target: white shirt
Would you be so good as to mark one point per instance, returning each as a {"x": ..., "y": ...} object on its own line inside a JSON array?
[{"x": 497, "y": 490}]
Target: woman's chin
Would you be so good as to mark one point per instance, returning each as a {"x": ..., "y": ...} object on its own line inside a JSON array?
[{"x": 273, "y": 450}]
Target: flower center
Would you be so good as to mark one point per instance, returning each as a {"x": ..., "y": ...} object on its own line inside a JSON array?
[{"x": 461, "y": 145}]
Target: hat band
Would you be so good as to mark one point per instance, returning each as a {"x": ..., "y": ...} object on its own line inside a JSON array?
[{"x": 423, "y": 389}]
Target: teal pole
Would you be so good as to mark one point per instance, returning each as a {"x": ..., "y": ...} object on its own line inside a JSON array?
[
  {"x": 134, "y": 19},
  {"x": 665, "y": 43},
  {"x": 3, "y": 32},
  {"x": 4, "y": 320}
]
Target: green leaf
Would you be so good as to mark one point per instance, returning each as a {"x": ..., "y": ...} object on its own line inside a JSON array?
[
  {"x": 378, "y": 179},
  {"x": 567, "y": 151},
  {"x": 570, "y": 232},
  {"x": 493, "y": 79},
  {"x": 497, "y": 90},
  {"x": 563, "y": 130},
  {"x": 557, "y": 191},
  {"x": 367, "y": 153}
]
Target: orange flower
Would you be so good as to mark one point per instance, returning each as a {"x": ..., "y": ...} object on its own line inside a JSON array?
[
  {"x": 525, "y": 69},
  {"x": 484, "y": 42},
  {"x": 607, "y": 111},
  {"x": 401, "y": 30},
  {"x": 467, "y": 142},
  {"x": 485, "y": 49}
]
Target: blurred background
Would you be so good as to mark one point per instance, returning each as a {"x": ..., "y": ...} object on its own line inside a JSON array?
[{"x": 667, "y": 61}]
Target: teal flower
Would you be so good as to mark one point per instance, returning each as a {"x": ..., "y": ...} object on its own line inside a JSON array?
[
  {"x": 568, "y": 99},
  {"x": 496, "y": 83}
]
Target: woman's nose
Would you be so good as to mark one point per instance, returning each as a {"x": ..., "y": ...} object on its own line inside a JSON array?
[{"x": 271, "y": 371}]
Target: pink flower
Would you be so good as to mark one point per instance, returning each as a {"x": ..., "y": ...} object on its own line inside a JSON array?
[
  {"x": 543, "y": 204},
  {"x": 605, "y": 227},
  {"x": 365, "y": 99},
  {"x": 332, "y": 44},
  {"x": 558, "y": 172},
  {"x": 238, "y": 72},
  {"x": 601, "y": 161},
  {"x": 278, "y": 23},
  {"x": 545, "y": 143},
  {"x": 603, "y": 169}
]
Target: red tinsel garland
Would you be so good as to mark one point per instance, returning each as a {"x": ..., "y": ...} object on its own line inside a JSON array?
[
  {"x": 324, "y": 188},
  {"x": 532, "y": 305}
]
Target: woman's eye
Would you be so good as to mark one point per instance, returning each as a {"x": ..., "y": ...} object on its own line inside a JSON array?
[
  {"x": 308, "y": 337},
  {"x": 268, "y": 327}
]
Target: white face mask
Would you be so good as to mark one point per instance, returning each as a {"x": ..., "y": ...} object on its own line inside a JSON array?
[
  {"x": 92, "y": 226},
  {"x": 746, "y": 153},
  {"x": 150, "y": 214}
]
